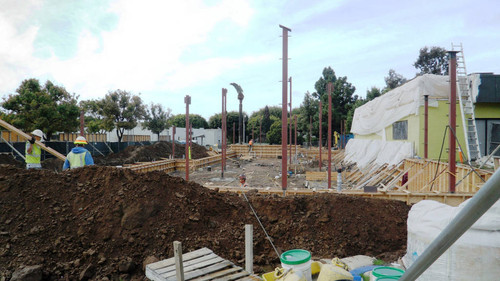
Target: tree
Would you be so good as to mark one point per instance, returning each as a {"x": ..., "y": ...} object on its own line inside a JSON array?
[
  {"x": 122, "y": 109},
  {"x": 49, "y": 108},
  {"x": 273, "y": 136},
  {"x": 156, "y": 119},
  {"x": 215, "y": 121},
  {"x": 432, "y": 61},
  {"x": 196, "y": 121},
  {"x": 393, "y": 81},
  {"x": 373, "y": 93},
  {"x": 343, "y": 98},
  {"x": 95, "y": 123}
]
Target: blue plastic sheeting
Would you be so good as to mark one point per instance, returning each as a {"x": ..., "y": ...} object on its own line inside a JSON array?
[{"x": 363, "y": 269}]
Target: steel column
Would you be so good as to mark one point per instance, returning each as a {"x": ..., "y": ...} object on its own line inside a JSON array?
[
  {"x": 290, "y": 121},
  {"x": 173, "y": 142},
  {"x": 187, "y": 101},
  {"x": 426, "y": 125},
  {"x": 284, "y": 170},
  {"x": 320, "y": 129},
  {"x": 453, "y": 120},
  {"x": 329, "y": 137},
  {"x": 295, "y": 137},
  {"x": 224, "y": 132}
]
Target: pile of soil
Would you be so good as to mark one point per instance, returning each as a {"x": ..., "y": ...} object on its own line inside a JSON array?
[
  {"x": 104, "y": 222},
  {"x": 148, "y": 153},
  {"x": 129, "y": 155},
  {"x": 8, "y": 158}
]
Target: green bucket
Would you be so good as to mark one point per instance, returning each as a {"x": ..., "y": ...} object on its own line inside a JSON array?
[{"x": 387, "y": 272}]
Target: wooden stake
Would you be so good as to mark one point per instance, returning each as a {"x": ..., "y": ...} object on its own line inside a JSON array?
[{"x": 179, "y": 267}]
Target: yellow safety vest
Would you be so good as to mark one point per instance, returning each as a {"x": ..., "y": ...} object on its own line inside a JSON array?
[
  {"x": 76, "y": 160},
  {"x": 36, "y": 152}
]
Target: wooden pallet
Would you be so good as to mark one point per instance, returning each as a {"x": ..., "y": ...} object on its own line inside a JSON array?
[{"x": 199, "y": 265}]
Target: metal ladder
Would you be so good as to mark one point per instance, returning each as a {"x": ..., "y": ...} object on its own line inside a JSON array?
[{"x": 466, "y": 106}]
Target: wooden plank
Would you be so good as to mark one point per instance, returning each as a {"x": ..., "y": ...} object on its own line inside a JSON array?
[
  {"x": 233, "y": 276},
  {"x": 191, "y": 264},
  {"x": 206, "y": 270},
  {"x": 185, "y": 257},
  {"x": 27, "y": 137},
  {"x": 217, "y": 274},
  {"x": 179, "y": 266}
]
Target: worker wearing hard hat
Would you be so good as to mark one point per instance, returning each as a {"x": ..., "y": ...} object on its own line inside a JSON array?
[
  {"x": 33, "y": 150},
  {"x": 78, "y": 156}
]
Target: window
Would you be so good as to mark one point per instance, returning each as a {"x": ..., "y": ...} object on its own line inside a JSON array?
[{"x": 400, "y": 130}]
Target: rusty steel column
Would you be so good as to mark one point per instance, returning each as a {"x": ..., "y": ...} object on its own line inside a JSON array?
[
  {"x": 329, "y": 137},
  {"x": 284, "y": 170},
  {"x": 187, "y": 101},
  {"x": 290, "y": 121},
  {"x": 224, "y": 133},
  {"x": 295, "y": 137},
  {"x": 453, "y": 119},
  {"x": 426, "y": 125},
  {"x": 234, "y": 132},
  {"x": 320, "y": 129},
  {"x": 173, "y": 142}
]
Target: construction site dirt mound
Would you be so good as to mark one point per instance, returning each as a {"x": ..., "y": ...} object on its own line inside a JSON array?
[
  {"x": 147, "y": 153},
  {"x": 103, "y": 222},
  {"x": 131, "y": 154}
]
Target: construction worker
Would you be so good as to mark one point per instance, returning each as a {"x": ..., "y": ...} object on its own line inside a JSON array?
[
  {"x": 78, "y": 156},
  {"x": 33, "y": 150},
  {"x": 250, "y": 144}
]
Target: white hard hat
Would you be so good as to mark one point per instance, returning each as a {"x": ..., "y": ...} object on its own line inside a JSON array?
[
  {"x": 38, "y": 133},
  {"x": 80, "y": 140}
]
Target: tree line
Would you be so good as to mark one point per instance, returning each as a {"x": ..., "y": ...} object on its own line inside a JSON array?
[{"x": 52, "y": 108}]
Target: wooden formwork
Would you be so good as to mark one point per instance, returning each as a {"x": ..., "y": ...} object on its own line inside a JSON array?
[
  {"x": 273, "y": 151},
  {"x": 427, "y": 175},
  {"x": 408, "y": 197},
  {"x": 171, "y": 165}
]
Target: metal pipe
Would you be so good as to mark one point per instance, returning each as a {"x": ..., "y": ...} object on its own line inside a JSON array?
[
  {"x": 173, "y": 142},
  {"x": 225, "y": 129},
  {"x": 284, "y": 170},
  {"x": 290, "y": 121},
  {"x": 295, "y": 137},
  {"x": 475, "y": 208},
  {"x": 453, "y": 120},
  {"x": 187, "y": 101},
  {"x": 224, "y": 133},
  {"x": 329, "y": 137},
  {"x": 426, "y": 125},
  {"x": 320, "y": 129}
]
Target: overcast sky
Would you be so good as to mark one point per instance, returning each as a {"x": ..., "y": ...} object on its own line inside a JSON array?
[{"x": 166, "y": 49}]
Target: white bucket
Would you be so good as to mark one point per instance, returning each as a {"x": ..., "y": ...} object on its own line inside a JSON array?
[{"x": 298, "y": 260}]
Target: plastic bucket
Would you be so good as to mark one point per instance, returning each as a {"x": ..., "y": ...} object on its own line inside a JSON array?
[
  {"x": 387, "y": 278},
  {"x": 298, "y": 260},
  {"x": 387, "y": 272}
]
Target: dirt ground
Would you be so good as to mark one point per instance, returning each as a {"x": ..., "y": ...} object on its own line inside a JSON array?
[
  {"x": 102, "y": 223},
  {"x": 260, "y": 173}
]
